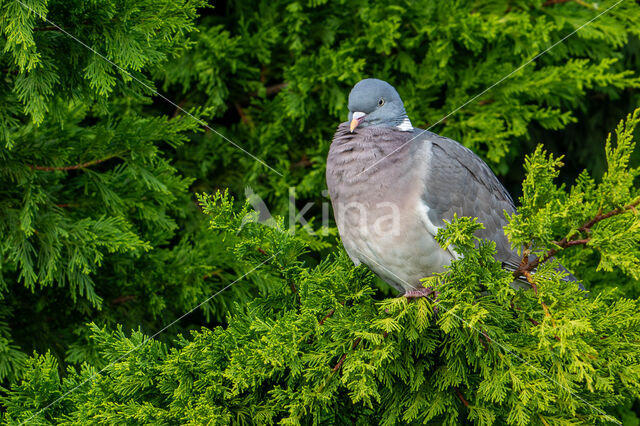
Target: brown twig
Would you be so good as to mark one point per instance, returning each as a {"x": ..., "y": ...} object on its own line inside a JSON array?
[
  {"x": 123, "y": 299},
  {"x": 329, "y": 315},
  {"x": 272, "y": 90},
  {"x": 326, "y": 317},
  {"x": 552, "y": 2},
  {"x": 304, "y": 162},
  {"x": 243, "y": 115},
  {"x": 580, "y": 2},
  {"x": 464, "y": 401},
  {"x": 526, "y": 267},
  {"x": 339, "y": 364},
  {"x": 75, "y": 166},
  {"x": 529, "y": 278},
  {"x": 485, "y": 342},
  {"x": 344, "y": 356},
  {"x": 47, "y": 28},
  {"x": 179, "y": 108},
  {"x": 210, "y": 274}
]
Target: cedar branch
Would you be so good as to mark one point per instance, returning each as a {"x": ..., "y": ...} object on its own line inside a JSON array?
[
  {"x": 464, "y": 401},
  {"x": 75, "y": 166},
  {"x": 48, "y": 28},
  {"x": 344, "y": 356},
  {"x": 123, "y": 299},
  {"x": 272, "y": 90},
  {"x": 243, "y": 115},
  {"x": 326, "y": 317},
  {"x": 526, "y": 267},
  {"x": 552, "y": 2},
  {"x": 580, "y": 2}
]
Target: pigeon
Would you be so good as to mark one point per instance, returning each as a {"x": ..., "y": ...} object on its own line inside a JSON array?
[{"x": 392, "y": 186}]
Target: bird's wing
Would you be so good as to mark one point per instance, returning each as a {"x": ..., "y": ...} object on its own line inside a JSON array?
[{"x": 458, "y": 181}]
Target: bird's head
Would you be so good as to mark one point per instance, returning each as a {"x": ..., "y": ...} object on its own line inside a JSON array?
[{"x": 374, "y": 102}]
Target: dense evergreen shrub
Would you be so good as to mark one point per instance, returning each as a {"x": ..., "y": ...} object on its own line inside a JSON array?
[
  {"x": 318, "y": 347},
  {"x": 102, "y": 148}
]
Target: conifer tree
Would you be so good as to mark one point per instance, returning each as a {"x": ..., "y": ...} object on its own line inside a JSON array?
[
  {"x": 113, "y": 114},
  {"x": 87, "y": 181},
  {"x": 319, "y": 348}
]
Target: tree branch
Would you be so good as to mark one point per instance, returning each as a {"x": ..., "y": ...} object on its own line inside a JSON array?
[
  {"x": 344, "y": 356},
  {"x": 47, "y": 28},
  {"x": 272, "y": 90},
  {"x": 123, "y": 299},
  {"x": 304, "y": 162},
  {"x": 527, "y": 267},
  {"x": 580, "y": 2},
  {"x": 326, "y": 317},
  {"x": 179, "y": 108},
  {"x": 210, "y": 274},
  {"x": 243, "y": 115},
  {"x": 485, "y": 342},
  {"x": 464, "y": 401},
  {"x": 75, "y": 166},
  {"x": 552, "y": 2}
]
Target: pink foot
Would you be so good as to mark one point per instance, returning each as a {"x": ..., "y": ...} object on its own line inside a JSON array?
[{"x": 420, "y": 292}]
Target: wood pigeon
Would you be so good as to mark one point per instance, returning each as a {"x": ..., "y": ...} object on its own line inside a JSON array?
[{"x": 392, "y": 186}]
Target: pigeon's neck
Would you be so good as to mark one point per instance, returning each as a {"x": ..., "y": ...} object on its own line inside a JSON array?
[
  {"x": 404, "y": 124},
  {"x": 371, "y": 154}
]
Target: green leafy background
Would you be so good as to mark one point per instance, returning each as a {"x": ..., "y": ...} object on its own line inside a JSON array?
[{"x": 104, "y": 241}]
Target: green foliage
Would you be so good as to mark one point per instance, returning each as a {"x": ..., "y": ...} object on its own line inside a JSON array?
[
  {"x": 549, "y": 216},
  {"x": 92, "y": 209},
  {"x": 318, "y": 347},
  {"x": 438, "y": 54},
  {"x": 98, "y": 222}
]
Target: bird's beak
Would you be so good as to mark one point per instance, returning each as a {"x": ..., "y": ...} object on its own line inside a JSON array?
[{"x": 357, "y": 118}]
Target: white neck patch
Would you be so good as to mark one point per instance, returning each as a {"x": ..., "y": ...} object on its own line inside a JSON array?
[{"x": 405, "y": 126}]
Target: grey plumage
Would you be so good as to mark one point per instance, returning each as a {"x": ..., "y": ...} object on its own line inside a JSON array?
[
  {"x": 389, "y": 211},
  {"x": 468, "y": 187}
]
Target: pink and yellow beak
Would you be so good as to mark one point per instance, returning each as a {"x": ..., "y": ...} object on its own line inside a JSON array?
[{"x": 356, "y": 120}]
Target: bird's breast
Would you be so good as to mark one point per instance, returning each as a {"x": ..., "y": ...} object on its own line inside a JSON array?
[
  {"x": 380, "y": 216},
  {"x": 390, "y": 236}
]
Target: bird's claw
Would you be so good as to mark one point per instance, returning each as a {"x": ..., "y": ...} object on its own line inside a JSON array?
[{"x": 421, "y": 292}]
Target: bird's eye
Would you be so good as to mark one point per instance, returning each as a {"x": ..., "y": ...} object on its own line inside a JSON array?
[{"x": 380, "y": 102}]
